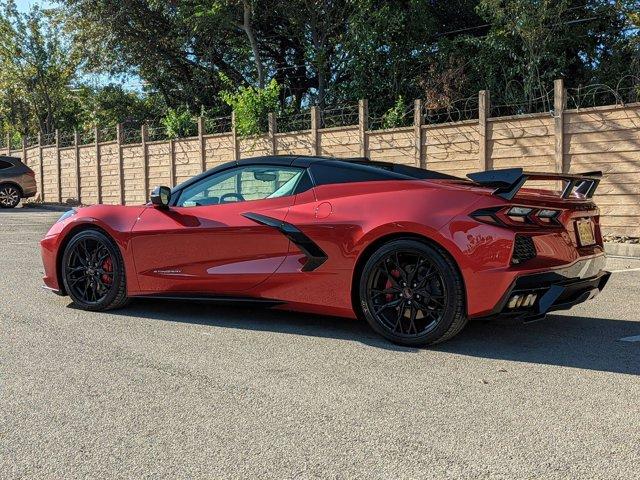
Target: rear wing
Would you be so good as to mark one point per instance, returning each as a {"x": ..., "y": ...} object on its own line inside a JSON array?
[{"x": 508, "y": 181}]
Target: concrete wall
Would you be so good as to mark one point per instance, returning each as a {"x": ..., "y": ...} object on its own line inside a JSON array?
[{"x": 602, "y": 138}]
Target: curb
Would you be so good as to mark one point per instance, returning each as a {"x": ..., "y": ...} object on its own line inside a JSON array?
[{"x": 623, "y": 249}]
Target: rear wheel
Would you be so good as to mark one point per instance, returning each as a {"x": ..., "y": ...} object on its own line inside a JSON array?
[
  {"x": 93, "y": 272},
  {"x": 412, "y": 294},
  {"x": 9, "y": 196}
]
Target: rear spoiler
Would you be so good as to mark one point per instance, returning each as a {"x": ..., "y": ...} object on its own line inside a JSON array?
[{"x": 508, "y": 181}]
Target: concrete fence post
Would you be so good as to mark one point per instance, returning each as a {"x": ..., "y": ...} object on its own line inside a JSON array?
[
  {"x": 201, "y": 143},
  {"x": 8, "y": 144},
  {"x": 58, "y": 166},
  {"x": 144, "y": 136},
  {"x": 40, "y": 161},
  {"x": 120, "y": 141},
  {"x": 172, "y": 162},
  {"x": 76, "y": 144},
  {"x": 363, "y": 126},
  {"x": 484, "y": 108},
  {"x": 96, "y": 135},
  {"x": 234, "y": 134},
  {"x": 315, "y": 135},
  {"x": 273, "y": 128},
  {"x": 559, "y": 95},
  {"x": 421, "y": 160}
]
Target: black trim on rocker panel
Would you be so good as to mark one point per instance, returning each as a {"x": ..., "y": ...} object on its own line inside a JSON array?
[
  {"x": 207, "y": 297},
  {"x": 315, "y": 255}
]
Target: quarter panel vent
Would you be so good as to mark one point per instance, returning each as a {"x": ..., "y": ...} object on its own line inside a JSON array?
[{"x": 523, "y": 249}]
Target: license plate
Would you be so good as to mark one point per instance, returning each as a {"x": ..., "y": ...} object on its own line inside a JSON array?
[{"x": 585, "y": 232}]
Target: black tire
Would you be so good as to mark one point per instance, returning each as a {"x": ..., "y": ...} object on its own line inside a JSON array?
[
  {"x": 9, "y": 195},
  {"x": 93, "y": 272},
  {"x": 412, "y": 294}
]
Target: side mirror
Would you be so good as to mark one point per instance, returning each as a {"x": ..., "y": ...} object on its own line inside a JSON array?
[{"x": 160, "y": 197}]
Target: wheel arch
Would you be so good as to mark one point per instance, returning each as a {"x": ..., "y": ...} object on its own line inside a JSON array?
[
  {"x": 80, "y": 227},
  {"x": 383, "y": 240},
  {"x": 13, "y": 184}
]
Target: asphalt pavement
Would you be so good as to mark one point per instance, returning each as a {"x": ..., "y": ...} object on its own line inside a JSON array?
[{"x": 177, "y": 390}]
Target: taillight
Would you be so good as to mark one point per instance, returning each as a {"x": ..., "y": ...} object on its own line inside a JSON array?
[
  {"x": 548, "y": 216},
  {"x": 519, "y": 211},
  {"x": 30, "y": 172},
  {"x": 548, "y": 213},
  {"x": 517, "y": 216}
]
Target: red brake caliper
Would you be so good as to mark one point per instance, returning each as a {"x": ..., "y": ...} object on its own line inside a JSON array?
[
  {"x": 394, "y": 274},
  {"x": 107, "y": 266}
]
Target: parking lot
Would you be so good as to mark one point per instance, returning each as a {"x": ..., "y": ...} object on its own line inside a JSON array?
[{"x": 180, "y": 390}]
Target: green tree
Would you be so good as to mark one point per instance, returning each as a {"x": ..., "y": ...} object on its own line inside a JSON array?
[
  {"x": 112, "y": 104},
  {"x": 37, "y": 65}
]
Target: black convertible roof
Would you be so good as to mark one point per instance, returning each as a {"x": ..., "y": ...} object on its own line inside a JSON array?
[
  {"x": 327, "y": 170},
  {"x": 354, "y": 163}
]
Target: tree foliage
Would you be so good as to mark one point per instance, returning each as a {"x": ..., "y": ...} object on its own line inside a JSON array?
[
  {"x": 252, "y": 106},
  {"x": 318, "y": 52},
  {"x": 37, "y": 66},
  {"x": 178, "y": 123},
  {"x": 395, "y": 116}
]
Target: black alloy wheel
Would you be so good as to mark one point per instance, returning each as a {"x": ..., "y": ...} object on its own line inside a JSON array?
[
  {"x": 411, "y": 293},
  {"x": 9, "y": 196},
  {"x": 93, "y": 272}
]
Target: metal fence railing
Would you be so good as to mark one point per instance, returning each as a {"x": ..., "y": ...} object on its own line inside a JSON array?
[
  {"x": 66, "y": 139},
  {"x": 213, "y": 125},
  {"x": 626, "y": 91},
  {"x": 107, "y": 134},
  {"x": 339, "y": 116},
  {"x": 48, "y": 139},
  {"x": 294, "y": 122},
  {"x": 446, "y": 112}
]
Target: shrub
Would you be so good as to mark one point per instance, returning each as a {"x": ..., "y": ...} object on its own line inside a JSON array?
[
  {"x": 252, "y": 106},
  {"x": 394, "y": 117},
  {"x": 178, "y": 123}
]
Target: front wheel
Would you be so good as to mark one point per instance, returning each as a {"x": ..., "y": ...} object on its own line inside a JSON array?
[
  {"x": 412, "y": 294},
  {"x": 9, "y": 196},
  {"x": 93, "y": 272}
]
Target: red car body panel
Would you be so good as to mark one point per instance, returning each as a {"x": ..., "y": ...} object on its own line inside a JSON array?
[
  {"x": 216, "y": 250},
  {"x": 211, "y": 249}
]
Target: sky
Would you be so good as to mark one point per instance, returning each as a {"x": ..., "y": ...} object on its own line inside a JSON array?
[{"x": 26, "y": 4}]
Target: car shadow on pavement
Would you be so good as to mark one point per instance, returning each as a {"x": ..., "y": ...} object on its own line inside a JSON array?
[
  {"x": 563, "y": 340},
  {"x": 259, "y": 319}
]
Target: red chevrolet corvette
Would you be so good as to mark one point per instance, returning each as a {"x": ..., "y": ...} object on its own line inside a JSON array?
[{"x": 414, "y": 252}]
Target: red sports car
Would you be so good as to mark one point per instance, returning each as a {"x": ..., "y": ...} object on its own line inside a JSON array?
[{"x": 416, "y": 253}]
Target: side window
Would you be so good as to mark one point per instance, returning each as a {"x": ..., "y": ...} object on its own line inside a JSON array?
[
  {"x": 4, "y": 165},
  {"x": 255, "y": 182}
]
